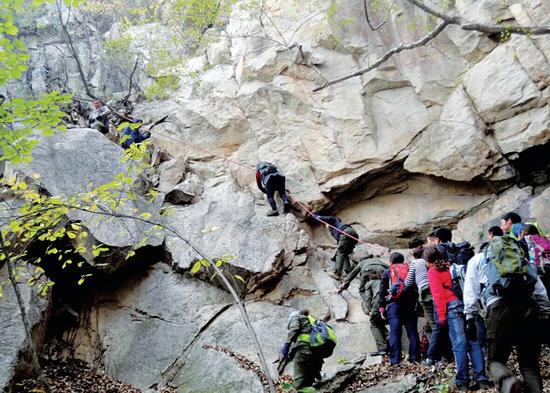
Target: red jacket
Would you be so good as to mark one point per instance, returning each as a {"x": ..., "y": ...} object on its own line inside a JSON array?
[{"x": 440, "y": 284}]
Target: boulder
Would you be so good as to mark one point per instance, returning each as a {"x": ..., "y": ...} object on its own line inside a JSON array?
[
  {"x": 499, "y": 86},
  {"x": 405, "y": 385},
  {"x": 462, "y": 150},
  {"x": 186, "y": 191},
  {"x": 80, "y": 160},
  {"x": 15, "y": 356},
  {"x": 171, "y": 173},
  {"x": 149, "y": 321}
]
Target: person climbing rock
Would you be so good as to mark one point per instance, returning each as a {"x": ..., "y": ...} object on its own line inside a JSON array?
[
  {"x": 308, "y": 342},
  {"x": 370, "y": 271},
  {"x": 345, "y": 246},
  {"x": 99, "y": 117},
  {"x": 269, "y": 181},
  {"x": 134, "y": 133},
  {"x": 398, "y": 306}
]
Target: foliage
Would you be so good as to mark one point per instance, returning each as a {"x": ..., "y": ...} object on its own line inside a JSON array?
[
  {"x": 21, "y": 118},
  {"x": 162, "y": 87},
  {"x": 47, "y": 219}
]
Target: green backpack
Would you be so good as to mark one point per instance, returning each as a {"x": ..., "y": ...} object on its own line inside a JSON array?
[{"x": 507, "y": 269}]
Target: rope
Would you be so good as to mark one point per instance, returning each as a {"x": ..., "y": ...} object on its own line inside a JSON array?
[{"x": 252, "y": 167}]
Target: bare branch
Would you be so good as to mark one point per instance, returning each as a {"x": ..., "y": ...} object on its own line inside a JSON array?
[
  {"x": 368, "y": 18},
  {"x": 69, "y": 41},
  {"x": 423, "y": 41},
  {"x": 131, "y": 79},
  {"x": 482, "y": 28}
]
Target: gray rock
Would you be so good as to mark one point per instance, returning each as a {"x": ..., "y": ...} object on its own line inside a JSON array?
[
  {"x": 227, "y": 222},
  {"x": 406, "y": 384},
  {"x": 151, "y": 321},
  {"x": 80, "y": 160},
  {"x": 171, "y": 173},
  {"x": 186, "y": 191},
  {"x": 14, "y": 348}
]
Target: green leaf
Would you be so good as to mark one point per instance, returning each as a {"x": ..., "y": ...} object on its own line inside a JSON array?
[
  {"x": 196, "y": 267},
  {"x": 239, "y": 278}
]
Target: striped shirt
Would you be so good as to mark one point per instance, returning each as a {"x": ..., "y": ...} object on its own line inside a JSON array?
[{"x": 418, "y": 274}]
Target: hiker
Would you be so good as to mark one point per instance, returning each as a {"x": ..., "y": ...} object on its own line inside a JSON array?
[
  {"x": 345, "y": 246},
  {"x": 449, "y": 310},
  {"x": 510, "y": 223},
  {"x": 132, "y": 133},
  {"x": 515, "y": 299},
  {"x": 493, "y": 232},
  {"x": 307, "y": 346},
  {"x": 538, "y": 249},
  {"x": 418, "y": 275},
  {"x": 370, "y": 270},
  {"x": 269, "y": 181},
  {"x": 459, "y": 253},
  {"x": 397, "y": 305},
  {"x": 99, "y": 117}
]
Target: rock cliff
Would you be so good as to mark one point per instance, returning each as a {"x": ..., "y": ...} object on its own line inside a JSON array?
[{"x": 452, "y": 133}]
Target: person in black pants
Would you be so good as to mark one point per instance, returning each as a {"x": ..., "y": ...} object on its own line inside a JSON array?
[{"x": 269, "y": 181}]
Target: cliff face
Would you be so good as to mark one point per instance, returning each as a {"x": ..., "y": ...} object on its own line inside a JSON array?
[{"x": 452, "y": 133}]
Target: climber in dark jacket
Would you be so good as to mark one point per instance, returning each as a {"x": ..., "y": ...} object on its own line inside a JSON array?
[
  {"x": 346, "y": 244},
  {"x": 133, "y": 134},
  {"x": 269, "y": 181}
]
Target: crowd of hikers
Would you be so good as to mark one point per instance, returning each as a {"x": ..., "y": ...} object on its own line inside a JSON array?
[{"x": 477, "y": 307}]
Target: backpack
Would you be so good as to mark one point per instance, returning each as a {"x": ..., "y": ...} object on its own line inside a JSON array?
[
  {"x": 321, "y": 337},
  {"x": 265, "y": 168},
  {"x": 458, "y": 273},
  {"x": 539, "y": 251},
  {"x": 507, "y": 269},
  {"x": 458, "y": 254},
  {"x": 398, "y": 274}
]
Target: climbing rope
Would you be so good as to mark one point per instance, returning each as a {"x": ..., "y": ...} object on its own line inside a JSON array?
[{"x": 252, "y": 167}]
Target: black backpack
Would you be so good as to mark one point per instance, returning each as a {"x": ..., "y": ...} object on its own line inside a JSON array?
[
  {"x": 458, "y": 254},
  {"x": 266, "y": 168}
]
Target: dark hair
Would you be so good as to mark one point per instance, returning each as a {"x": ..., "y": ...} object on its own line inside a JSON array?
[
  {"x": 496, "y": 231},
  {"x": 418, "y": 251},
  {"x": 396, "y": 257},
  {"x": 443, "y": 234},
  {"x": 433, "y": 255},
  {"x": 514, "y": 217},
  {"x": 529, "y": 229},
  {"x": 416, "y": 242}
]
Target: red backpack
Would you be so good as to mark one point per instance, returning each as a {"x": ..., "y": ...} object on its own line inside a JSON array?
[
  {"x": 539, "y": 251},
  {"x": 398, "y": 274}
]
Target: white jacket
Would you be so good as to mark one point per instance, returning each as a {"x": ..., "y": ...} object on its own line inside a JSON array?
[{"x": 476, "y": 279}]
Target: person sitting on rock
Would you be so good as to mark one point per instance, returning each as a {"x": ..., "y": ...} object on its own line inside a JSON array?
[
  {"x": 269, "y": 181},
  {"x": 370, "y": 270},
  {"x": 346, "y": 237},
  {"x": 99, "y": 117},
  {"x": 307, "y": 361},
  {"x": 398, "y": 306}
]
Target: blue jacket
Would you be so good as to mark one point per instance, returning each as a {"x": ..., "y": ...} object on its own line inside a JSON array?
[{"x": 335, "y": 222}]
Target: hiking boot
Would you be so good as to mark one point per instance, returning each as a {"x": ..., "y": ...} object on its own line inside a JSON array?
[
  {"x": 380, "y": 352},
  {"x": 334, "y": 275},
  {"x": 272, "y": 213},
  {"x": 286, "y": 207},
  {"x": 510, "y": 385},
  {"x": 428, "y": 362}
]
